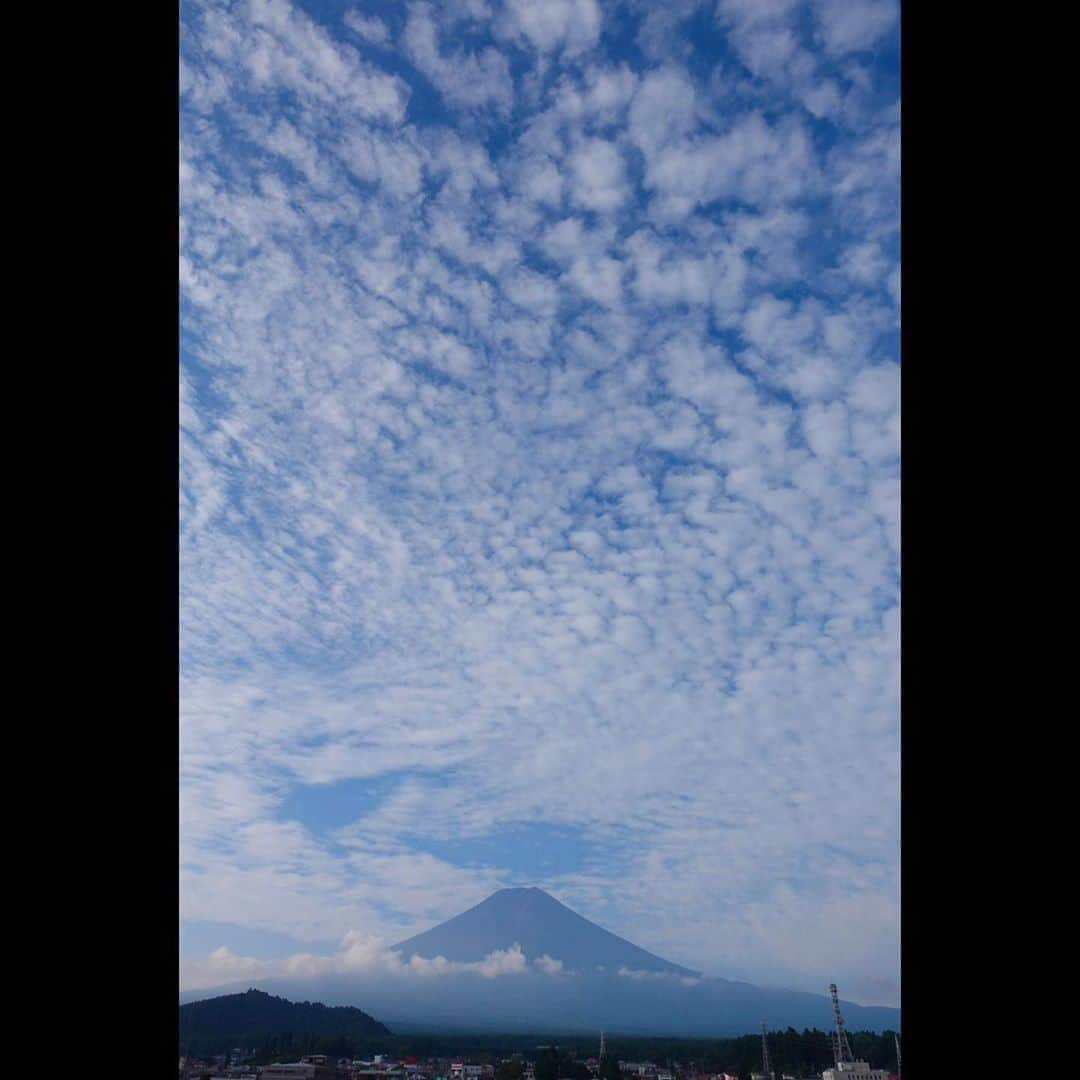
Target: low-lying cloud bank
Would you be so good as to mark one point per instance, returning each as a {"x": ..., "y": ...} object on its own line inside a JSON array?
[
  {"x": 358, "y": 954},
  {"x": 365, "y": 954}
]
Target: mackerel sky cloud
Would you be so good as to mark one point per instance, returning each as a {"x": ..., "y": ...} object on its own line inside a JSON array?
[{"x": 540, "y": 479}]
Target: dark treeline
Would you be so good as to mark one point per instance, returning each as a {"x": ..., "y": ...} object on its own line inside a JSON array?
[
  {"x": 791, "y": 1051},
  {"x": 273, "y": 1026},
  {"x": 796, "y": 1052}
]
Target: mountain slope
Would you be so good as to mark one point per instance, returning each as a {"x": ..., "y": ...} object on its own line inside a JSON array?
[{"x": 540, "y": 925}]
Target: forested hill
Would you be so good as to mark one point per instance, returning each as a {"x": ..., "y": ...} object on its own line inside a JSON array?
[{"x": 256, "y": 1019}]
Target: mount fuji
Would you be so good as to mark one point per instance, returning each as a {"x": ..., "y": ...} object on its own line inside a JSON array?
[
  {"x": 541, "y": 926},
  {"x": 557, "y": 972}
]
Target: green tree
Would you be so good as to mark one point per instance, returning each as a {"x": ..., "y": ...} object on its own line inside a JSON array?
[
  {"x": 572, "y": 1069},
  {"x": 509, "y": 1070},
  {"x": 609, "y": 1068},
  {"x": 547, "y": 1064}
]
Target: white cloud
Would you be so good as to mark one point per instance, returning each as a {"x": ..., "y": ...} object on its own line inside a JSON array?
[
  {"x": 503, "y": 962},
  {"x": 543, "y": 184},
  {"x": 598, "y": 279},
  {"x": 764, "y": 34},
  {"x": 599, "y": 176},
  {"x": 850, "y": 25},
  {"x": 754, "y": 162},
  {"x": 282, "y": 47},
  {"x": 227, "y": 963},
  {"x": 549, "y": 965},
  {"x": 664, "y": 108},
  {"x": 570, "y": 25},
  {"x": 638, "y": 975},
  {"x": 358, "y": 954},
  {"x": 469, "y": 79},
  {"x": 369, "y": 27},
  {"x": 220, "y": 967}
]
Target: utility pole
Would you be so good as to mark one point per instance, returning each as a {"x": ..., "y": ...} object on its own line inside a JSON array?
[
  {"x": 765, "y": 1054},
  {"x": 843, "y": 1049}
]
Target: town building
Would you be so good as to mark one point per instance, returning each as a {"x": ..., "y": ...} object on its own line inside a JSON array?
[
  {"x": 854, "y": 1070},
  {"x": 310, "y": 1067}
]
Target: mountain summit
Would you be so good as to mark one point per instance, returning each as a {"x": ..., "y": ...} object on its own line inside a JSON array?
[{"x": 542, "y": 926}]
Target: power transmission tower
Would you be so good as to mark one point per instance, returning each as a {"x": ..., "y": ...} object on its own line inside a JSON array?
[
  {"x": 843, "y": 1049},
  {"x": 765, "y": 1054}
]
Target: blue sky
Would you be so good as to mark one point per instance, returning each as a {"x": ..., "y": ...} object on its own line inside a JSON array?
[{"x": 540, "y": 478}]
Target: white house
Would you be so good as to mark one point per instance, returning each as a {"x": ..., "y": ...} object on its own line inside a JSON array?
[{"x": 854, "y": 1070}]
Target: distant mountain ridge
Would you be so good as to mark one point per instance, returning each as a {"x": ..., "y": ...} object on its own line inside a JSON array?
[
  {"x": 600, "y": 1001},
  {"x": 541, "y": 925},
  {"x": 254, "y": 1017}
]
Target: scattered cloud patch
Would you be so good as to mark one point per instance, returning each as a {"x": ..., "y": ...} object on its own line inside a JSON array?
[
  {"x": 569, "y": 26},
  {"x": 369, "y": 27},
  {"x": 464, "y": 78},
  {"x": 549, "y": 965}
]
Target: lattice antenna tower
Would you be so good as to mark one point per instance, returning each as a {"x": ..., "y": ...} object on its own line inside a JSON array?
[
  {"x": 766, "y": 1067},
  {"x": 843, "y": 1048},
  {"x": 603, "y": 1051},
  {"x": 896, "y": 1038}
]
